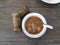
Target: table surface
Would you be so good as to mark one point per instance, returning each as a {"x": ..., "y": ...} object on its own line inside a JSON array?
[{"x": 51, "y": 13}]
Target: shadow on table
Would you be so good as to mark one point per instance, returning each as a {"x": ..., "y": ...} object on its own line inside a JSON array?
[
  {"x": 46, "y": 38},
  {"x": 46, "y": 5}
]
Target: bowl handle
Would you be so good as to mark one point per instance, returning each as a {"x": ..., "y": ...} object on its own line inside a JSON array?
[{"x": 48, "y": 26}]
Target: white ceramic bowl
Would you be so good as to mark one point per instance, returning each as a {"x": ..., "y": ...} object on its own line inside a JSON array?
[
  {"x": 33, "y": 35},
  {"x": 51, "y": 1}
]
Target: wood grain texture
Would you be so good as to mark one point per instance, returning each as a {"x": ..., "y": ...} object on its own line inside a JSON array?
[{"x": 50, "y": 12}]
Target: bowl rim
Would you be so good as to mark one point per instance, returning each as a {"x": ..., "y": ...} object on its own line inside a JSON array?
[
  {"x": 31, "y": 35},
  {"x": 51, "y": 2}
]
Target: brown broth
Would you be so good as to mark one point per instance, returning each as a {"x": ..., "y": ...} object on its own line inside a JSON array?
[{"x": 34, "y": 25}]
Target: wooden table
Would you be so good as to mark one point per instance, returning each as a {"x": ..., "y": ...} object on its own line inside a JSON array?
[{"x": 51, "y": 13}]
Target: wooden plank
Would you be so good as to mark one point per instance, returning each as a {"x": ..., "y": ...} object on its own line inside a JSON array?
[
  {"x": 29, "y": 3},
  {"x": 25, "y": 43}
]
